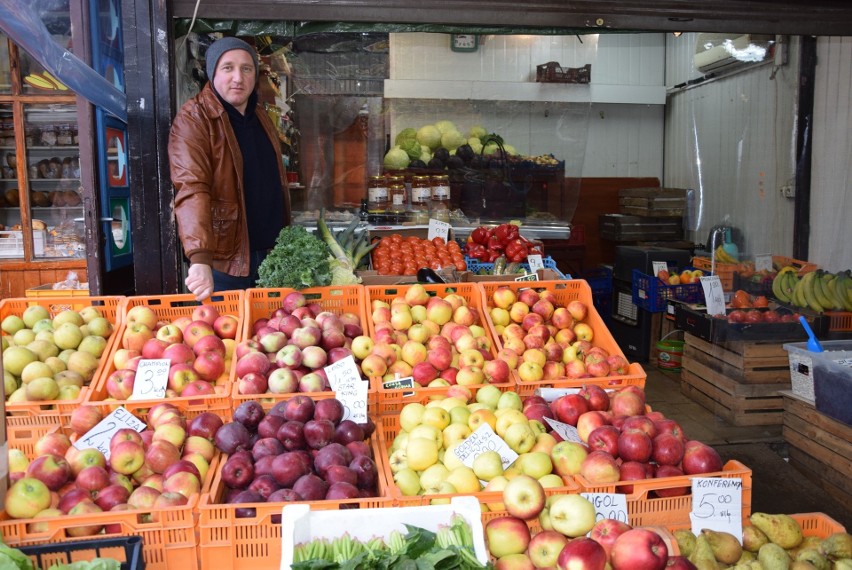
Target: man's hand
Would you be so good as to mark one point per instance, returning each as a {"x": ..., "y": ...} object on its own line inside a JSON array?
[{"x": 199, "y": 281}]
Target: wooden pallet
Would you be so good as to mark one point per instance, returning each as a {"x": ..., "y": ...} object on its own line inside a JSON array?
[
  {"x": 711, "y": 378},
  {"x": 820, "y": 447},
  {"x": 652, "y": 201},
  {"x": 747, "y": 362}
]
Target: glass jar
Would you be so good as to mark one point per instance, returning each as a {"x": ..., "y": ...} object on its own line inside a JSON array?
[
  {"x": 378, "y": 196},
  {"x": 421, "y": 194},
  {"x": 397, "y": 198},
  {"x": 440, "y": 196}
]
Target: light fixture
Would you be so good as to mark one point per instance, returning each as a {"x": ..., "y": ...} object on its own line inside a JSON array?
[{"x": 676, "y": 34}]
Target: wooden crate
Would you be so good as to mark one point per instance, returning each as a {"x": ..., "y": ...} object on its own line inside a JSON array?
[
  {"x": 652, "y": 201},
  {"x": 820, "y": 447},
  {"x": 719, "y": 386},
  {"x": 747, "y": 362},
  {"x": 621, "y": 228}
]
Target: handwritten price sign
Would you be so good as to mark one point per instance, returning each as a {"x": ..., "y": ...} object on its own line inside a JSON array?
[
  {"x": 99, "y": 436},
  {"x": 152, "y": 377},
  {"x": 437, "y": 228},
  {"x": 353, "y": 395},
  {"x": 344, "y": 370},
  {"x": 609, "y": 506},
  {"x": 714, "y": 295},
  {"x": 565, "y": 431},
  {"x": 482, "y": 440},
  {"x": 535, "y": 262},
  {"x": 717, "y": 504}
]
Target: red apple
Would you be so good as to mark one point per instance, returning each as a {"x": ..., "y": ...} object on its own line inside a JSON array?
[
  {"x": 569, "y": 408},
  {"x": 668, "y": 449},
  {"x": 604, "y": 438},
  {"x": 639, "y": 549},
  {"x": 606, "y": 531},
  {"x": 699, "y": 458},
  {"x": 600, "y": 467},
  {"x": 665, "y": 471},
  {"x": 582, "y": 554},
  {"x": 634, "y": 446}
]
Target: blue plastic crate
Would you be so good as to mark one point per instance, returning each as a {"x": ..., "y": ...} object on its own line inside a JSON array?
[
  {"x": 651, "y": 294},
  {"x": 474, "y": 265},
  {"x": 600, "y": 282}
]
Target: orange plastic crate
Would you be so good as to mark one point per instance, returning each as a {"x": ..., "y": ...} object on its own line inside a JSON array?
[
  {"x": 262, "y": 302},
  {"x": 254, "y": 543},
  {"x": 725, "y": 271},
  {"x": 59, "y": 411},
  {"x": 567, "y": 291},
  {"x": 801, "y": 266},
  {"x": 813, "y": 524},
  {"x": 169, "y": 308},
  {"x": 388, "y": 428},
  {"x": 839, "y": 321},
  {"x": 645, "y": 509},
  {"x": 391, "y": 400}
]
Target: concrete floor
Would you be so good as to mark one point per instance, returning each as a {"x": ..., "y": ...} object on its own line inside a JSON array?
[{"x": 777, "y": 487}]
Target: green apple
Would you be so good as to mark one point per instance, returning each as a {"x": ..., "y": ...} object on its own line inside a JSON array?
[
  {"x": 67, "y": 316},
  {"x": 450, "y": 459},
  {"x": 421, "y": 453},
  {"x": 55, "y": 364},
  {"x": 567, "y": 458},
  {"x": 33, "y": 314},
  {"x": 507, "y": 535},
  {"x": 488, "y": 465},
  {"x": 398, "y": 460},
  {"x": 551, "y": 481},
  {"x": 90, "y": 313},
  {"x": 93, "y": 344},
  {"x": 459, "y": 415},
  {"x": 68, "y": 393},
  {"x": 510, "y": 400},
  {"x": 100, "y": 326},
  {"x": 67, "y": 335},
  {"x": 443, "y": 488},
  {"x": 4, "y": 343},
  {"x": 12, "y": 324},
  {"x": 43, "y": 349},
  {"x": 9, "y": 383},
  {"x": 42, "y": 389},
  {"x": 508, "y": 417},
  {"x": 408, "y": 482},
  {"x": 464, "y": 480},
  {"x": 84, "y": 363},
  {"x": 23, "y": 337},
  {"x": 15, "y": 358},
  {"x": 411, "y": 415},
  {"x": 536, "y": 464},
  {"x": 424, "y": 431},
  {"x": 400, "y": 441},
  {"x": 68, "y": 378},
  {"x": 26, "y": 497},
  {"x": 35, "y": 370},
  {"x": 520, "y": 437},
  {"x": 433, "y": 476},
  {"x": 46, "y": 336},
  {"x": 496, "y": 485},
  {"x": 489, "y": 395},
  {"x": 435, "y": 416},
  {"x": 572, "y": 515},
  {"x": 454, "y": 433},
  {"x": 43, "y": 325},
  {"x": 18, "y": 396},
  {"x": 18, "y": 460}
]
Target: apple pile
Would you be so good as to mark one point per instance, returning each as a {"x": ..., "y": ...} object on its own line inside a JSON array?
[
  {"x": 289, "y": 349},
  {"x": 51, "y": 358},
  {"x": 571, "y": 538},
  {"x": 622, "y": 441},
  {"x": 199, "y": 345},
  {"x": 422, "y": 459},
  {"x": 163, "y": 466},
  {"x": 543, "y": 340},
  {"x": 439, "y": 341},
  {"x": 301, "y": 450}
]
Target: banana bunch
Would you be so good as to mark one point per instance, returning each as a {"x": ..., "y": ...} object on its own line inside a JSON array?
[
  {"x": 723, "y": 256},
  {"x": 818, "y": 290}
]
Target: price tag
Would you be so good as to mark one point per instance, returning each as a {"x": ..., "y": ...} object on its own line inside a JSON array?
[
  {"x": 152, "y": 377},
  {"x": 437, "y": 228},
  {"x": 551, "y": 394},
  {"x": 657, "y": 266},
  {"x": 353, "y": 395},
  {"x": 100, "y": 435},
  {"x": 535, "y": 262},
  {"x": 609, "y": 506},
  {"x": 763, "y": 262},
  {"x": 528, "y": 277},
  {"x": 407, "y": 382},
  {"x": 565, "y": 431},
  {"x": 482, "y": 440},
  {"x": 714, "y": 295},
  {"x": 717, "y": 504},
  {"x": 344, "y": 370}
]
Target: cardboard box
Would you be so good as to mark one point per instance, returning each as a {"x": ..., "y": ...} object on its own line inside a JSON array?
[{"x": 299, "y": 524}]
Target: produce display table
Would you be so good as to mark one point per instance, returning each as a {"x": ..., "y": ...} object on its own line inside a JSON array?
[{"x": 820, "y": 447}]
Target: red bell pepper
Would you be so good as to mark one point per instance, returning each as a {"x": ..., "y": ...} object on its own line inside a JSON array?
[
  {"x": 478, "y": 251},
  {"x": 492, "y": 256},
  {"x": 516, "y": 250},
  {"x": 480, "y": 235},
  {"x": 494, "y": 243},
  {"x": 506, "y": 233}
]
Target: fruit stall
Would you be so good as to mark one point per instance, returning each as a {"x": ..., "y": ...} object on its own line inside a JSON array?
[{"x": 461, "y": 424}]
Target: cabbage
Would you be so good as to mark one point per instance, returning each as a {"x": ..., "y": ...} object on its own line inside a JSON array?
[
  {"x": 452, "y": 140},
  {"x": 411, "y": 148},
  {"x": 396, "y": 159},
  {"x": 426, "y": 156},
  {"x": 510, "y": 150},
  {"x": 477, "y": 131},
  {"x": 475, "y": 144},
  {"x": 405, "y": 135},
  {"x": 430, "y": 136},
  {"x": 445, "y": 126}
]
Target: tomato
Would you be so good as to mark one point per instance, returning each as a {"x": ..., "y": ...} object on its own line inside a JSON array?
[
  {"x": 736, "y": 316},
  {"x": 741, "y": 299},
  {"x": 460, "y": 264},
  {"x": 771, "y": 317},
  {"x": 754, "y": 317},
  {"x": 761, "y": 301},
  {"x": 438, "y": 241}
]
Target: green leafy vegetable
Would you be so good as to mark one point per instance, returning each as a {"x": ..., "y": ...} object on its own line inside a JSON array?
[
  {"x": 18, "y": 559},
  {"x": 298, "y": 260},
  {"x": 93, "y": 564},
  {"x": 396, "y": 159}
]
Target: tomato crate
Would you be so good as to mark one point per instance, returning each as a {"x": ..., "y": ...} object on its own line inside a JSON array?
[
  {"x": 392, "y": 399},
  {"x": 168, "y": 309},
  {"x": 59, "y": 410},
  {"x": 819, "y": 525},
  {"x": 566, "y": 292},
  {"x": 491, "y": 501},
  {"x": 261, "y": 303},
  {"x": 127, "y": 550},
  {"x": 230, "y": 541},
  {"x": 651, "y": 294},
  {"x": 645, "y": 508}
]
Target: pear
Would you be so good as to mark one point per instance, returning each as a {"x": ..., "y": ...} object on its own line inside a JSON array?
[
  {"x": 838, "y": 545},
  {"x": 773, "y": 557},
  {"x": 843, "y": 564},
  {"x": 753, "y": 538},
  {"x": 726, "y": 548},
  {"x": 747, "y": 557},
  {"x": 814, "y": 558},
  {"x": 685, "y": 541},
  {"x": 702, "y": 556},
  {"x": 802, "y": 565},
  {"x": 782, "y": 530}
]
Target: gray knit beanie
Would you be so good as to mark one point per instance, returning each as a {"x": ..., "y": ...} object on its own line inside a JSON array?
[{"x": 219, "y": 47}]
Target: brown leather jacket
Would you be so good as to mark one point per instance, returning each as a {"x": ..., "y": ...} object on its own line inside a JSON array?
[{"x": 207, "y": 172}]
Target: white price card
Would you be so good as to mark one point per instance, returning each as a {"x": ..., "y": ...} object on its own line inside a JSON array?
[
  {"x": 353, "y": 395},
  {"x": 535, "y": 262},
  {"x": 717, "y": 504},
  {"x": 657, "y": 266},
  {"x": 344, "y": 370},
  {"x": 528, "y": 277},
  {"x": 99, "y": 436},
  {"x": 152, "y": 377},
  {"x": 609, "y": 506},
  {"x": 437, "y": 228},
  {"x": 714, "y": 295},
  {"x": 551, "y": 394},
  {"x": 565, "y": 431},
  {"x": 482, "y": 440},
  {"x": 763, "y": 262}
]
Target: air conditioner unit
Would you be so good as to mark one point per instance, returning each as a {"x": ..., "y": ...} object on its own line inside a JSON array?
[{"x": 716, "y": 53}]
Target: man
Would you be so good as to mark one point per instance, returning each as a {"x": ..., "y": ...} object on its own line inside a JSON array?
[{"x": 225, "y": 161}]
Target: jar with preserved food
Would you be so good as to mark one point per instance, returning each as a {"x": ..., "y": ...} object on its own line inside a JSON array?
[
  {"x": 397, "y": 199},
  {"x": 440, "y": 197},
  {"x": 421, "y": 195},
  {"x": 378, "y": 195}
]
